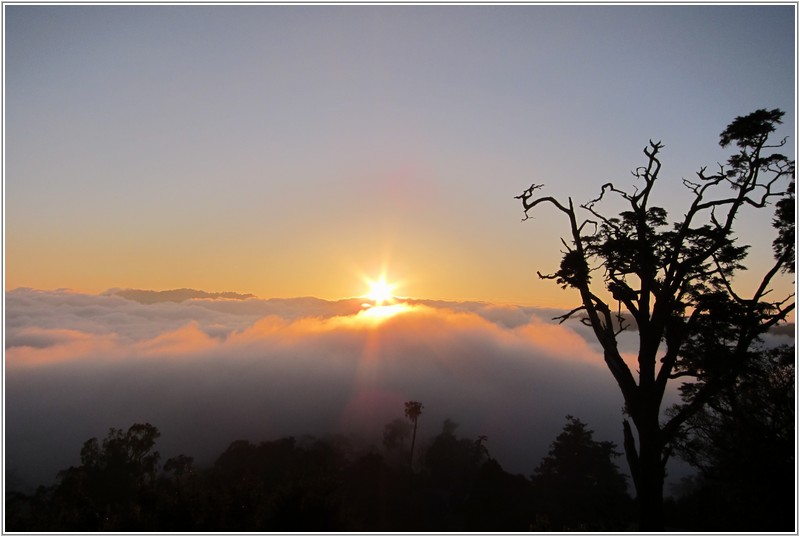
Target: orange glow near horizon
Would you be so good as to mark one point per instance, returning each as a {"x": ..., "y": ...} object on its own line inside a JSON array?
[{"x": 379, "y": 313}]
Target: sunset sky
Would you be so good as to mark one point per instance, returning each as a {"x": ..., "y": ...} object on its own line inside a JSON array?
[
  {"x": 293, "y": 150},
  {"x": 294, "y": 153}
]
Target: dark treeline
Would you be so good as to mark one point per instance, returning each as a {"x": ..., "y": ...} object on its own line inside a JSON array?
[
  {"x": 327, "y": 484},
  {"x": 447, "y": 484},
  {"x": 743, "y": 445}
]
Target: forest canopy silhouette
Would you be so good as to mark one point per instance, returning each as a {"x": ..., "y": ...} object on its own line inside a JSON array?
[{"x": 329, "y": 484}]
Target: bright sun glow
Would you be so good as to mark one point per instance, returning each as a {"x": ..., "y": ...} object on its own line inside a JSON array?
[
  {"x": 382, "y": 302},
  {"x": 380, "y": 291},
  {"x": 380, "y": 313}
]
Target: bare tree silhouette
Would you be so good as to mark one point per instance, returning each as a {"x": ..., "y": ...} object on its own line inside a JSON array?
[{"x": 676, "y": 283}]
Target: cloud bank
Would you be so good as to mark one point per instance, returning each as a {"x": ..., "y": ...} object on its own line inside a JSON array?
[{"x": 211, "y": 370}]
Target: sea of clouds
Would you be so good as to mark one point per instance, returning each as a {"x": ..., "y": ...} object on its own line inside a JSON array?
[{"x": 208, "y": 371}]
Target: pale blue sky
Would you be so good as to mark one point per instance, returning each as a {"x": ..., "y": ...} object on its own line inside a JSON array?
[{"x": 276, "y": 149}]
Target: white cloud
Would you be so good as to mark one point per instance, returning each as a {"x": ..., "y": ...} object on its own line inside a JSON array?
[{"x": 207, "y": 372}]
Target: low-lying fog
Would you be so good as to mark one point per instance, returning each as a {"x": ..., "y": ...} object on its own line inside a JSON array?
[{"x": 208, "y": 371}]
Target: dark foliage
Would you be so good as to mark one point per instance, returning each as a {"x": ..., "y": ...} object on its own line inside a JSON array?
[
  {"x": 310, "y": 485},
  {"x": 744, "y": 447},
  {"x": 676, "y": 282},
  {"x": 112, "y": 488},
  {"x": 578, "y": 486},
  {"x": 743, "y": 444},
  {"x": 783, "y": 245}
]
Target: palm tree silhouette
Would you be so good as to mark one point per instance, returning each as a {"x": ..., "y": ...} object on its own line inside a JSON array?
[{"x": 413, "y": 411}]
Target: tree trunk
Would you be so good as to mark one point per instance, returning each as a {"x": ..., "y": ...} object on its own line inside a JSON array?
[
  {"x": 650, "y": 496},
  {"x": 648, "y": 476},
  {"x": 413, "y": 441}
]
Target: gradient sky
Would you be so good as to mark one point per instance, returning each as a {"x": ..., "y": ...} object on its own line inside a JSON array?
[{"x": 287, "y": 150}]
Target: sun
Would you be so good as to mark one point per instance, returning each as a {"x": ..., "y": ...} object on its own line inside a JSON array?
[
  {"x": 380, "y": 291},
  {"x": 382, "y": 303}
]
